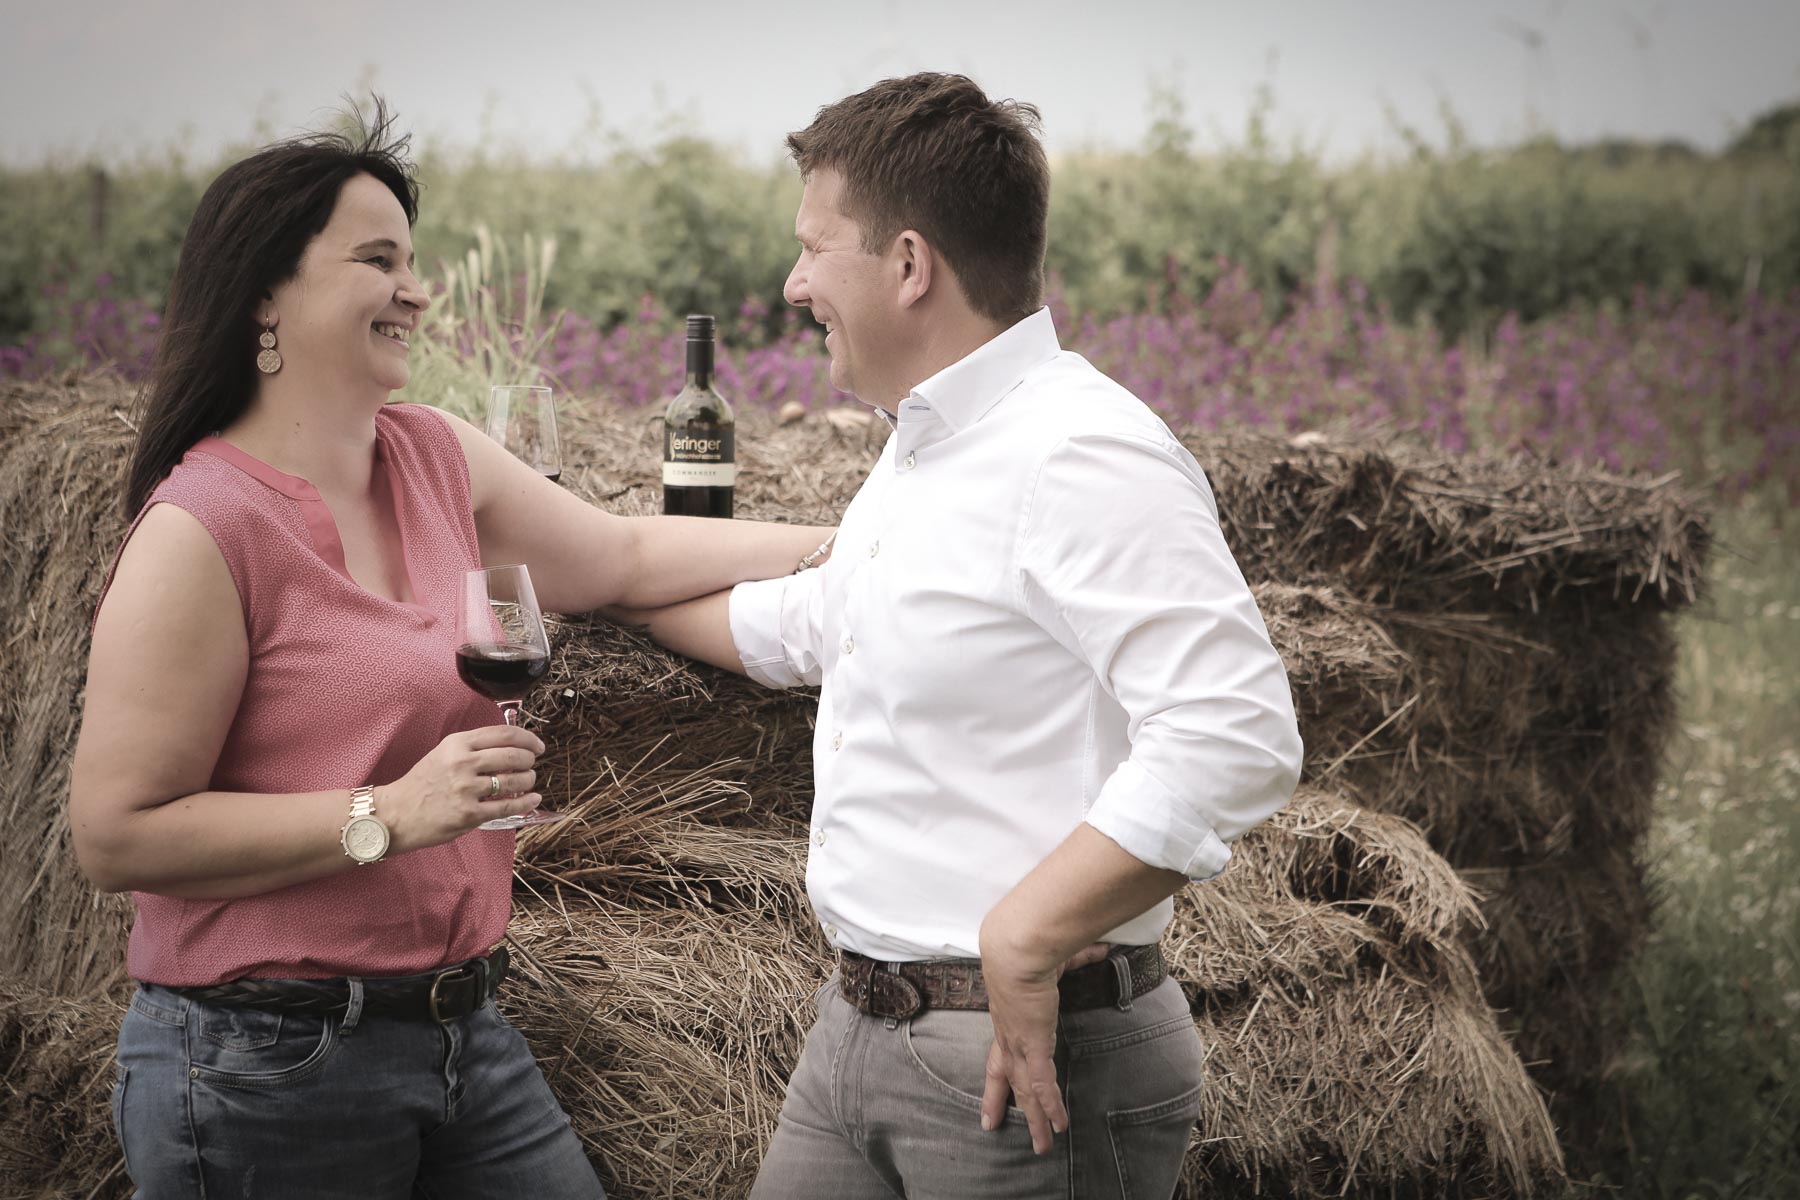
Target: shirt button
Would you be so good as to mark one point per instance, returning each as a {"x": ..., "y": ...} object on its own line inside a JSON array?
[
  {"x": 912, "y": 460},
  {"x": 849, "y": 645},
  {"x": 831, "y": 932},
  {"x": 837, "y": 741},
  {"x": 874, "y": 549},
  {"x": 818, "y": 837}
]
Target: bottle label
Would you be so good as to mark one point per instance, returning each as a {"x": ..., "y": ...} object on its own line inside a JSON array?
[
  {"x": 705, "y": 458},
  {"x": 699, "y": 474}
]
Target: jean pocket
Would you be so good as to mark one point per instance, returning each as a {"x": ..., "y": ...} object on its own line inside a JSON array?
[
  {"x": 951, "y": 1051},
  {"x": 238, "y": 1029},
  {"x": 253, "y": 1048},
  {"x": 1149, "y": 1144},
  {"x": 121, "y": 1078}
]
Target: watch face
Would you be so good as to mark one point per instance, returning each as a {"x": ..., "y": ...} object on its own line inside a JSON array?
[{"x": 366, "y": 839}]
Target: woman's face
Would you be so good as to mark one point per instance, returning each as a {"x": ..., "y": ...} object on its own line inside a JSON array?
[{"x": 345, "y": 318}]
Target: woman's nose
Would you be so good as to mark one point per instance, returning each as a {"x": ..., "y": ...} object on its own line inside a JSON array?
[{"x": 412, "y": 293}]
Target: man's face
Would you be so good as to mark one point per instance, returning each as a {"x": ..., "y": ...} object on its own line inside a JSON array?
[{"x": 844, "y": 286}]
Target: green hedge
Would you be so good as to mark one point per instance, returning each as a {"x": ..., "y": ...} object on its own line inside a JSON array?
[{"x": 1450, "y": 234}]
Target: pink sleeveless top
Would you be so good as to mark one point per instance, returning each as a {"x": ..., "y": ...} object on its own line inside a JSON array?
[{"x": 344, "y": 688}]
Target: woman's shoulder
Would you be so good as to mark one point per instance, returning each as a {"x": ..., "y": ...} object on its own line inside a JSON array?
[
  {"x": 172, "y": 559},
  {"x": 418, "y": 422}
]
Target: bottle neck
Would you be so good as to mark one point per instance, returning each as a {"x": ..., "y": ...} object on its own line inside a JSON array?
[{"x": 699, "y": 363}]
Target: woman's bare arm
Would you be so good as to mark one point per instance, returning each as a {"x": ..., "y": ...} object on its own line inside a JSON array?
[{"x": 584, "y": 558}]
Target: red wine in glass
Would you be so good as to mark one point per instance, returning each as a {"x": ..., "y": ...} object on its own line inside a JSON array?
[
  {"x": 500, "y": 671},
  {"x": 502, "y": 650}
]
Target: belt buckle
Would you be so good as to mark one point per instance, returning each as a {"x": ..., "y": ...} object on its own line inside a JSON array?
[
  {"x": 895, "y": 987},
  {"x": 457, "y": 974}
]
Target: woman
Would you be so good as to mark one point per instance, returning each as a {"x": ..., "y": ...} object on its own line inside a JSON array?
[{"x": 274, "y": 653}]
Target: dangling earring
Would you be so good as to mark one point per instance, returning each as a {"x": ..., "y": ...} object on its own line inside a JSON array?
[{"x": 268, "y": 362}]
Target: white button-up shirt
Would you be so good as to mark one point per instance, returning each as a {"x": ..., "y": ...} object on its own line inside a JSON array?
[{"x": 1029, "y": 620}]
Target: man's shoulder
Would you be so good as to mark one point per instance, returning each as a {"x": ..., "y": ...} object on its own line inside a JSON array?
[{"x": 1067, "y": 397}]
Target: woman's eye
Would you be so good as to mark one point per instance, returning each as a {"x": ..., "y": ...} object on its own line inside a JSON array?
[{"x": 380, "y": 260}]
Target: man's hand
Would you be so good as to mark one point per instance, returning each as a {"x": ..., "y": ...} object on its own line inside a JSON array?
[
  {"x": 1047, "y": 925},
  {"x": 1023, "y": 1002}
]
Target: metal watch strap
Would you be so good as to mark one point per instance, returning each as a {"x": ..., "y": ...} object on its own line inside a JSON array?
[{"x": 362, "y": 809}]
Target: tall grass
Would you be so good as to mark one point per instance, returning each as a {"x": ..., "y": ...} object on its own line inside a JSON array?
[{"x": 1710, "y": 1089}]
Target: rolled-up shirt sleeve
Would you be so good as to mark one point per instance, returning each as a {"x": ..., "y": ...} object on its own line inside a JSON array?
[
  {"x": 776, "y": 626},
  {"x": 1122, "y": 560}
]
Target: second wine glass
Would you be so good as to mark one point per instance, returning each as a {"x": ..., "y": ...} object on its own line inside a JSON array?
[
  {"x": 501, "y": 651},
  {"x": 523, "y": 419}
]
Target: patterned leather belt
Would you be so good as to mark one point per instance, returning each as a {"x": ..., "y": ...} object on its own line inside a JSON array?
[
  {"x": 902, "y": 990},
  {"x": 439, "y": 996}
]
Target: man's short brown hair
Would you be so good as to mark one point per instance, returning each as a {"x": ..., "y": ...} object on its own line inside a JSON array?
[{"x": 931, "y": 152}]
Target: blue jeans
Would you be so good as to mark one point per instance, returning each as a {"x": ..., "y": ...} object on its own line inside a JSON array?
[{"x": 218, "y": 1100}]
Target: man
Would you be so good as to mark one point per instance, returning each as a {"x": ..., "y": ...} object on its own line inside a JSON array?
[{"x": 1048, "y": 700}]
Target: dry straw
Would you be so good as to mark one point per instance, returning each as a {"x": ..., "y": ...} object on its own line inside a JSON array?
[{"x": 1478, "y": 647}]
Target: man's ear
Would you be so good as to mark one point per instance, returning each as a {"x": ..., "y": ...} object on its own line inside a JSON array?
[{"x": 914, "y": 261}]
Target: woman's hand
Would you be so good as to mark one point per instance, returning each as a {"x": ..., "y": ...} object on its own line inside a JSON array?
[{"x": 450, "y": 791}]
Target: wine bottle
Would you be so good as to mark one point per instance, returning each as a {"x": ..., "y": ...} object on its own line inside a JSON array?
[{"x": 699, "y": 437}]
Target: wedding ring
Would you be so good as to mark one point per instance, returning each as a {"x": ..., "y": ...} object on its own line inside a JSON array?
[{"x": 493, "y": 785}]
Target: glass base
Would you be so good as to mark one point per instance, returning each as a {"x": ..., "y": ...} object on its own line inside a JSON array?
[{"x": 535, "y": 817}]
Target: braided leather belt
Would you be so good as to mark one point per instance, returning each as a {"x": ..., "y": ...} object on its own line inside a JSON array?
[
  {"x": 439, "y": 996},
  {"x": 905, "y": 989}
]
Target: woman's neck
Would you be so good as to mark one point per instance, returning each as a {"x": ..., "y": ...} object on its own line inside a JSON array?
[{"x": 328, "y": 443}]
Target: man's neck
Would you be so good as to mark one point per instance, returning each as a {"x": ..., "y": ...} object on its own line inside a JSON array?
[{"x": 940, "y": 346}]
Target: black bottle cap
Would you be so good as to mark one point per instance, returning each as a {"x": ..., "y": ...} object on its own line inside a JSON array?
[{"x": 700, "y": 328}]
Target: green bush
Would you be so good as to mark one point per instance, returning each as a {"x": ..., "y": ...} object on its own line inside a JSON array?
[{"x": 1449, "y": 234}]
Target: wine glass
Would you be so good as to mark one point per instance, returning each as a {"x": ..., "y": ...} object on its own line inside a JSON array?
[
  {"x": 523, "y": 419},
  {"x": 501, "y": 650}
]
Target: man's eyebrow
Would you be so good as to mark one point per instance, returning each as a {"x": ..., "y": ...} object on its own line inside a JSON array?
[{"x": 386, "y": 244}]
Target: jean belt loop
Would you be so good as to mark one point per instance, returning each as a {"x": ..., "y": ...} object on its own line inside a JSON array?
[
  {"x": 892, "y": 968},
  {"x": 353, "y": 1010},
  {"x": 1122, "y": 969}
]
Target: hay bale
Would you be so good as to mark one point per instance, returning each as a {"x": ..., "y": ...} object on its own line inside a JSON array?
[
  {"x": 56, "y": 1075},
  {"x": 1479, "y": 646},
  {"x": 62, "y": 460},
  {"x": 1348, "y": 1045}
]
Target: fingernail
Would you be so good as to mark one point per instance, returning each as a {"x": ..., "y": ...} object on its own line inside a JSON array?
[{"x": 987, "y": 1123}]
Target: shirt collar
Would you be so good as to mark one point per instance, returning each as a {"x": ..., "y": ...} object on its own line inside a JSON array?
[{"x": 963, "y": 392}]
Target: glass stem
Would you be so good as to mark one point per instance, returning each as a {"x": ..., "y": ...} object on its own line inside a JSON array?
[{"x": 509, "y": 711}]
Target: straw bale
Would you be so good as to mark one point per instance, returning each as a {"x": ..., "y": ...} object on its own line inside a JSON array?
[
  {"x": 1347, "y": 1043},
  {"x": 56, "y": 1073},
  {"x": 1478, "y": 645},
  {"x": 1402, "y": 523},
  {"x": 62, "y": 457}
]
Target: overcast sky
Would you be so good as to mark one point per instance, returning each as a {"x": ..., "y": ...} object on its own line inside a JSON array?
[{"x": 80, "y": 78}]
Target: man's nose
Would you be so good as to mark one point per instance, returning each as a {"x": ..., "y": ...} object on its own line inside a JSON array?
[{"x": 794, "y": 290}]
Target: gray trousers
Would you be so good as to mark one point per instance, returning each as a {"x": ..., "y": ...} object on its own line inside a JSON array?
[{"x": 880, "y": 1108}]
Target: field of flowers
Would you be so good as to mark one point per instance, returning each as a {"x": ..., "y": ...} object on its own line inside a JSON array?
[{"x": 1682, "y": 382}]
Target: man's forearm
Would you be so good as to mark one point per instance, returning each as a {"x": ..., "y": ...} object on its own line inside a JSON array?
[
  {"x": 678, "y": 558},
  {"x": 1085, "y": 887},
  {"x": 697, "y": 628}
]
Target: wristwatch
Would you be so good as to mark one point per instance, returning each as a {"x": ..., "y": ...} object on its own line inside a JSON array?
[{"x": 364, "y": 837}]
